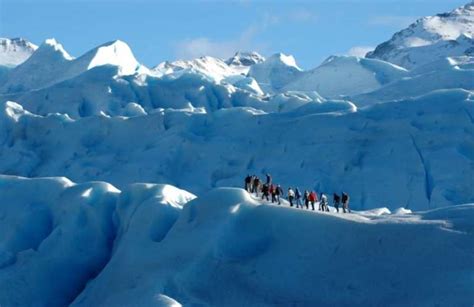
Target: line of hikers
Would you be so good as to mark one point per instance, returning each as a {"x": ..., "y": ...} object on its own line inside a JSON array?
[{"x": 268, "y": 191}]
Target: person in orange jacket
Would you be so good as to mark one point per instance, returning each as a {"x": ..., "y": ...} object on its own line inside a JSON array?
[{"x": 313, "y": 197}]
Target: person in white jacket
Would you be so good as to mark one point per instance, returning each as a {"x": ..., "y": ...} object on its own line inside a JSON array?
[
  {"x": 324, "y": 203},
  {"x": 291, "y": 196}
]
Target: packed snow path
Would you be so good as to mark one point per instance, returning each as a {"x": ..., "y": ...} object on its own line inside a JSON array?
[{"x": 90, "y": 244}]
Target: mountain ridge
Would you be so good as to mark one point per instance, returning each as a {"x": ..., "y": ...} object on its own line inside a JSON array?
[{"x": 430, "y": 38}]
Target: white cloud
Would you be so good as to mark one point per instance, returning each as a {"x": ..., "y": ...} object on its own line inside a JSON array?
[
  {"x": 200, "y": 46},
  {"x": 392, "y": 21},
  {"x": 195, "y": 47},
  {"x": 301, "y": 15},
  {"x": 359, "y": 51}
]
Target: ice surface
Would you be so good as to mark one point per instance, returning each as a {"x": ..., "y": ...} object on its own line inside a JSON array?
[
  {"x": 415, "y": 153},
  {"x": 344, "y": 75},
  {"x": 56, "y": 235},
  {"x": 90, "y": 244}
]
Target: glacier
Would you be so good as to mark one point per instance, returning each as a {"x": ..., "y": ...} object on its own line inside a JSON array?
[
  {"x": 156, "y": 245},
  {"x": 120, "y": 184},
  {"x": 414, "y": 147}
]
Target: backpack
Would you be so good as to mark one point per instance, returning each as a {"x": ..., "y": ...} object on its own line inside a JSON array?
[
  {"x": 324, "y": 199},
  {"x": 291, "y": 193}
]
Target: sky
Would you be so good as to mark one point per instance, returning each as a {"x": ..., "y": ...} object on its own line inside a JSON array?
[{"x": 168, "y": 30}]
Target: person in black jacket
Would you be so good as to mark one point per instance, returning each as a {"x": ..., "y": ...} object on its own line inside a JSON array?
[
  {"x": 298, "y": 198},
  {"x": 278, "y": 193},
  {"x": 269, "y": 179},
  {"x": 336, "y": 201},
  {"x": 256, "y": 185},
  {"x": 306, "y": 199},
  {"x": 345, "y": 203},
  {"x": 248, "y": 181},
  {"x": 265, "y": 191}
]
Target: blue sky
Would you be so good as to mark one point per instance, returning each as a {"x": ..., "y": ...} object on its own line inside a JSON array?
[{"x": 166, "y": 30}]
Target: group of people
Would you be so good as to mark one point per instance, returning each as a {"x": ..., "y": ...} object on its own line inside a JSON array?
[
  {"x": 274, "y": 192},
  {"x": 253, "y": 184}
]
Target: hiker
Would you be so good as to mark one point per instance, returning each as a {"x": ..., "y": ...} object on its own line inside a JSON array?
[
  {"x": 345, "y": 203},
  {"x": 278, "y": 193},
  {"x": 306, "y": 198},
  {"x": 269, "y": 179},
  {"x": 273, "y": 192},
  {"x": 291, "y": 196},
  {"x": 336, "y": 201},
  {"x": 313, "y": 198},
  {"x": 265, "y": 191},
  {"x": 298, "y": 198},
  {"x": 248, "y": 181},
  {"x": 256, "y": 185},
  {"x": 324, "y": 202}
]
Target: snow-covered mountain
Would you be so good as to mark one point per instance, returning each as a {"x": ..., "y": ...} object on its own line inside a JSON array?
[
  {"x": 214, "y": 68},
  {"x": 51, "y": 64},
  {"x": 245, "y": 59},
  {"x": 15, "y": 51},
  {"x": 275, "y": 72},
  {"x": 431, "y": 38}
]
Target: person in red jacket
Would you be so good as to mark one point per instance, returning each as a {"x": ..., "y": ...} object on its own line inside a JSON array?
[
  {"x": 313, "y": 197},
  {"x": 273, "y": 192}
]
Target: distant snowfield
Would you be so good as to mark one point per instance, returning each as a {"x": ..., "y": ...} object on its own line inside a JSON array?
[{"x": 156, "y": 245}]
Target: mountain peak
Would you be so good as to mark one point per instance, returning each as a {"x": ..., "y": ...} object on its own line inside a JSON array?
[
  {"x": 116, "y": 53},
  {"x": 467, "y": 9},
  {"x": 15, "y": 51},
  {"x": 284, "y": 59},
  {"x": 56, "y": 65},
  {"x": 16, "y": 42},
  {"x": 430, "y": 38},
  {"x": 209, "y": 66},
  {"x": 245, "y": 58},
  {"x": 51, "y": 49}
]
